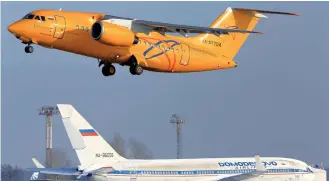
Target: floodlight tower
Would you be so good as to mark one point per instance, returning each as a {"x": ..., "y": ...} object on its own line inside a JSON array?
[
  {"x": 178, "y": 121},
  {"x": 48, "y": 111}
]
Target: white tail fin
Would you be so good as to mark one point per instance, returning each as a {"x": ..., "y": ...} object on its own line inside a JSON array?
[
  {"x": 37, "y": 163},
  {"x": 89, "y": 145}
]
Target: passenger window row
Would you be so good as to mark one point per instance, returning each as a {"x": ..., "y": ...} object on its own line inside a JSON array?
[
  {"x": 158, "y": 46},
  {"x": 82, "y": 28}
]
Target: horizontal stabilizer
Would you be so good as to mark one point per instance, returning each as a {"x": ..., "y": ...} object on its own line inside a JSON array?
[{"x": 255, "y": 11}]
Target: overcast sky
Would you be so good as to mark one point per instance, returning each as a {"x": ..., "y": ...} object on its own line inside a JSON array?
[{"x": 275, "y": 103}]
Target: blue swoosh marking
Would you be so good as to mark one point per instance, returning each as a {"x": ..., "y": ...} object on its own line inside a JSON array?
[{"x": 156, "y": 44}]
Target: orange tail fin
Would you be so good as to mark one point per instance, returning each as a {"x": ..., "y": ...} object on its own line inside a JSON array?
[{"x": 235, "y": 18}]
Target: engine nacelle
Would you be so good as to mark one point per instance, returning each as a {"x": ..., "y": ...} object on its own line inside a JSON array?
[{"x": 112, "y": 34}]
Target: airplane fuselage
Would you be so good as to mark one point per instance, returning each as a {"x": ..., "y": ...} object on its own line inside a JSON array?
[
  {"x": 279, "y": 169},
  {"x": 71, "y": 32}
]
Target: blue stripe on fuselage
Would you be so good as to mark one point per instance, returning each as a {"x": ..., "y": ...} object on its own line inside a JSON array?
[{"x": 199, "y": 172}]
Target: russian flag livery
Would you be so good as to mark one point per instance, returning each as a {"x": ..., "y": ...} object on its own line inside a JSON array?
[{"x": 88, "y": 132}]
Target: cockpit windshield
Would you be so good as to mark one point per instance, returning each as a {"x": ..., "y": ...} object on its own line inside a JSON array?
[
  {"x": 320, "y": 166},
  {"x": 29, "y": 16}
]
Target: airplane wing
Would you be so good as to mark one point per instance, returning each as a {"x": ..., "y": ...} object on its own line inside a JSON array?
[
  {"x": 147, "y": 26},
  {"x": 183, "y": 29},
  {"x": 242, "y": 176},
  {"x": 35, "y": 175},
  {"x": 71, "y": 171},
  {"x": 98, "y": 170},
  {"x": 55, "y": 171},
  {"x": 260, "y": 170}
]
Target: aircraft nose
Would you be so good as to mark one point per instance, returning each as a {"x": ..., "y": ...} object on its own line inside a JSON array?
[
  {"x": 13, "y": 28},
  {"x": 233, "y": 64}
]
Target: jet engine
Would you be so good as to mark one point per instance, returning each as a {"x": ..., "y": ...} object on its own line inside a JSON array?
[{"x": 112, "y": 34}]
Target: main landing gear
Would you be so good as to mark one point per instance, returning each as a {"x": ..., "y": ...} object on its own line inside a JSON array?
[
  {"x": 29, "y": 49},
  {"x": 109, "y": 70},
  {"x": 136, "y": 69}
]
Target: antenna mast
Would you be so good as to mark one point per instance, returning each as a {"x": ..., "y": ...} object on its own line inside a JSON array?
[
  {"x": 48, "y": 111},
  {"x": 178, "y": 121}
]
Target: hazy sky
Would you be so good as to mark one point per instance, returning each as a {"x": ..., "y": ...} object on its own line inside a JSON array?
[{"x": 275, "y": 103}]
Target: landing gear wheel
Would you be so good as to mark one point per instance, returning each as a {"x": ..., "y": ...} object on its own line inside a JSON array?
[
  {"x": 136, "y": 69},
  {"x": 29, "y": 49},
  {"x": 108, "y": 70},
  {"x": 132, "y": 70}
]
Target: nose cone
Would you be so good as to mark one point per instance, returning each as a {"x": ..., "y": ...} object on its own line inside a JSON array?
[
  {"x": 13, "y": 28},
  {"x": 233, "y": 64}
]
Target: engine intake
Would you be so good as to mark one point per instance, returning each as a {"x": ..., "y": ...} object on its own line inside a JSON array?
[
  {"x": 112, "y": 34},
  {"x": 97, "y": 30}
]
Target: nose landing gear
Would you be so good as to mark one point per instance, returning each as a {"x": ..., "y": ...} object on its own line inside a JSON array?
[{"x": 29, "y": 49}]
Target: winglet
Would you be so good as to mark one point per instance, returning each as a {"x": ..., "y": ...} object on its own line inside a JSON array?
[
  {"x": 259, "y": 164},
  {"x": 37, "y": 163},
  {"x": 35, "y": 176}
]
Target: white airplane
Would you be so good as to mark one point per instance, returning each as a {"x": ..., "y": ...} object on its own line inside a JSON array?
[{"x": 99, "y": 161}]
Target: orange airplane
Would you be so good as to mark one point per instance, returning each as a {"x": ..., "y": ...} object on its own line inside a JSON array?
[{"x": 141, "y": 44}]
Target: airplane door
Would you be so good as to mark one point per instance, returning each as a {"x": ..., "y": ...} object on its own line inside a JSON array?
[
  {"x": 133, "y": 174},
  {"x": 60, "y": 25},
  {"x": 185, "y": 54}
]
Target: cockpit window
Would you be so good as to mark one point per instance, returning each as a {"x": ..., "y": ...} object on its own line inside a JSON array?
[
  {"x": 43, "y": 18},
  {"x": 37, "y": 18},
  {"x": 29, "y": 16}
]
